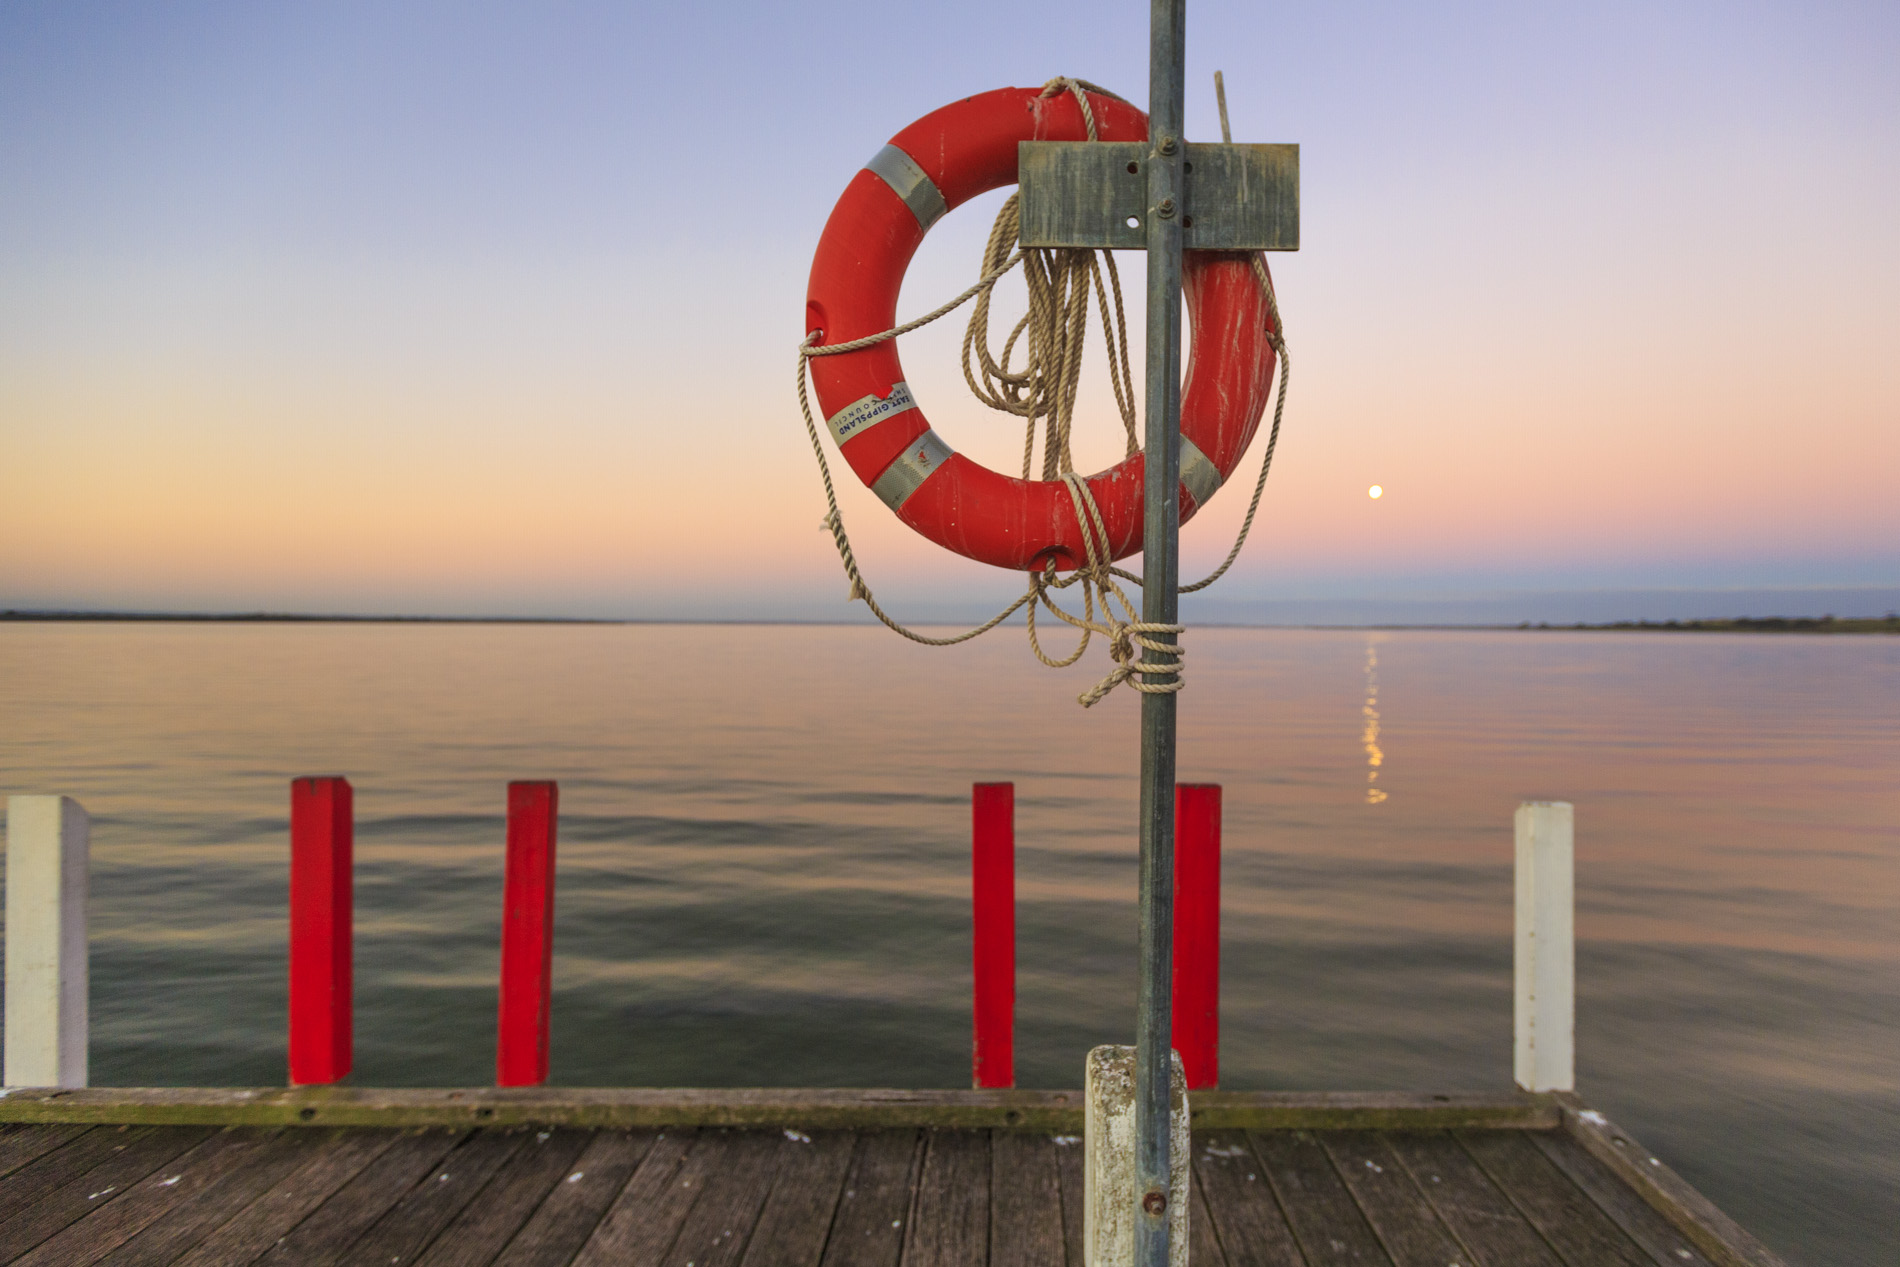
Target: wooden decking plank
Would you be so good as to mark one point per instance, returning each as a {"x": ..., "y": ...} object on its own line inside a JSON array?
[
  {"x": 487, "y": 1223},
  {"x": 643, "y": 1220},
  {"x": 190, "y": 1219},
  {"x": 1025, "y": 1201},
  {"x": 21, "y": 1143},
  {"x": 111, "y": 1225},
  {"x": 1203, "y": 1243},
  {"x": 95, "y": 1188},
  {"x": 1246, "y": 1217},
  {"x": 1718, "y": 1236},
  {"x": 1639, "y": 1220},
  {"x": 720, "y": 1225},
  {"x": 329, "y": 1230},
  {"x": 1071, "y": 1169},
  {"x": 1582, "y": 1234},
  {"x": 868, "y": 1230},
  {"x": 1325, "y": 1219},
  {"x": 405, "y": 1231},
  {"x": 797, "y": 1216},
  {"x": 1399, "y": 1213},
  {"x": 567, "y": 1217},
  {"x": 950, "y": 1214},
  {"x": 332, "y": 1163},
  {"x": 1469, "y": 1203},
  {"x": 52, "y": 1171},
  {"x": 775, "y": 1108}
]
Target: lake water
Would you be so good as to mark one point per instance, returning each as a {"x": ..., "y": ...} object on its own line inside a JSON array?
[{"x": 764, "y": 862}]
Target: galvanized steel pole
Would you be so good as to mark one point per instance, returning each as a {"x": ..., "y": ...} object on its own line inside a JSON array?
[{"x": 1160, "y": 577}]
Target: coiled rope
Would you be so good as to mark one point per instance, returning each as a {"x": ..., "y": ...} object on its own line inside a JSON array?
[{"x": 1051, "y": 334}]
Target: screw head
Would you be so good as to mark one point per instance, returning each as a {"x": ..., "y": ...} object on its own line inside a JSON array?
[
  {"x": 1166, "y": 208},
  {"x": 1168, "y": 144},
  {"x": 1155, "y": 1203}
]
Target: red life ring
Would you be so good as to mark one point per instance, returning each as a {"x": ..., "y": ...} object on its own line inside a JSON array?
[{"x": 942, "y": 160}]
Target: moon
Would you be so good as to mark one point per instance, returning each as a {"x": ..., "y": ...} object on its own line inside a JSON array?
[{"x": 1376, "y": 492}]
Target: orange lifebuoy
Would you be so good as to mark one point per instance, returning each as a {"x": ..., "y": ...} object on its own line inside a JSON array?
[{"x": 944, "y": 159}]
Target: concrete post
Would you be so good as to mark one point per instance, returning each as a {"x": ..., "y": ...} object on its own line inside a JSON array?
[
  {"x": 1109, "y": 1185},
  {"x": 1545, "y": 961},
  {"x": 48, "y": 839}
]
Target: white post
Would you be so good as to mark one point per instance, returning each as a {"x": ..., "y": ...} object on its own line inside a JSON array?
[
  {"x": 1108, "y": 1144},
  {"x": 48, "y": 838},
  {"x": 1546, "y": 954}
]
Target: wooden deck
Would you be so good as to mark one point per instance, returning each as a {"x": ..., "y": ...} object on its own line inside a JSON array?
[{"x": 1557, "y": 1185}]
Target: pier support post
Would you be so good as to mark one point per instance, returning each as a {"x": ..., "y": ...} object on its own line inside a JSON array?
[
  {"x": 322, "y": 842},
  {"x": 1110, "y": 1176},
  {"x": 1545, "y": 955},
  {"x": 993, "y": 920},
  {"x": 48, "y": 843},
  {"x": 1197, "y": 932},
  {"x": 527, "y": 936}
]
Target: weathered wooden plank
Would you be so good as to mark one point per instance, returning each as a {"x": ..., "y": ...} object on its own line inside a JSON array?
[
  {"x": 334, "y": 1226},
  {"x": 721, "y": 1222},
  {"x": 1072, "y": 1171},
  {"x": 1325, "y": 1219},
  {"x": 486, "y": 1224},
  {"x": 1400, "y": 1215},
  {"x": 645, "y": 1217},
  {"x": 1203, "y": 1245},
  {"x": 792, "y": 1228},
  {"x": 868, "y": 1230},
  {"x": 1025, "y": 1201},
  {"x": 21, "y": 1143},
  {"x": 1482, "y": 1217},
  {"x": 1640, "y": 1221},
  {"x": 93, "y": 1189},
  {"x": 1725, "y": 1241},
  {"x": 950, "y": 1217},
  {"x": 1246, "y": 1217},
  {"x": 339, "y": 1159},
  {"x": 1581, "y": 1233},
  {"x": 192, "y": 1218},
  {"x": 62, "y": 1165},
  {"x": 1049, "y": 1112},
  {"x": 402, "y": 1234},
  {"x": 567, "y": 1217},
  {"x": 104, "y": 1229}
]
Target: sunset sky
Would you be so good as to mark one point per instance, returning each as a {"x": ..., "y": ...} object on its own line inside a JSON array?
[{"x": 466, "y": 308}]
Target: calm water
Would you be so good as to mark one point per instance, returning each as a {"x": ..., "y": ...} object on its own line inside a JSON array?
[{"x": 763, "y": 862}]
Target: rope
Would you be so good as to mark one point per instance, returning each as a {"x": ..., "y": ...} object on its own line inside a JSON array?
[{"x": 1052, "y": 332}]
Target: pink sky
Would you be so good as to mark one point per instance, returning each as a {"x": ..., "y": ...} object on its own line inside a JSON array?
[{"x": 365, "y": 315}]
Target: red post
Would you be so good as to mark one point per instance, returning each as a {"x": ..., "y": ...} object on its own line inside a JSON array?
[
  {"x": 527, "y": 936},
  {"x": 1196, "y": 1028},
  {"x": 322, "y": 836},
  {"x": 993, "y": 914}
]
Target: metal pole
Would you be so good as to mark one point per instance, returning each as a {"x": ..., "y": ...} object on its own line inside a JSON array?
[{"x": 1160, "y": 577}]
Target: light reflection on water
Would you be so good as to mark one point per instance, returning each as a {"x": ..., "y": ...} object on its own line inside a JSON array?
[
  {"x": 1375, "y": 755},
  {"x": 763, "y": 862}
]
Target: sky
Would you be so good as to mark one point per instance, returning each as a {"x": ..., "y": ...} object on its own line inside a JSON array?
[{"x": 471, "y": 308}]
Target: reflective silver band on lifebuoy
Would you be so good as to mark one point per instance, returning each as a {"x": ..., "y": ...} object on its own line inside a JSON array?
[
  {"x": 909, "y": 182},
  {"x": 909, "y": 469},
  {"x": 1199, "y": 475},
  {"x": 867, "y": 411}
]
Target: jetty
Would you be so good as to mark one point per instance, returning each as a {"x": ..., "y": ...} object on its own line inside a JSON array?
[
  {"x": 524, "y": 1173},
  {"x": 817, "y": 1179}
]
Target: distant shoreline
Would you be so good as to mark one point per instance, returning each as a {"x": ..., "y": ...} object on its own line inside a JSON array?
[{"x": 1888, "y": 624}]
